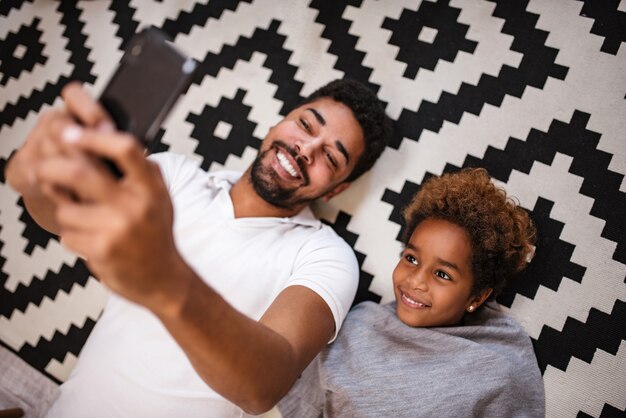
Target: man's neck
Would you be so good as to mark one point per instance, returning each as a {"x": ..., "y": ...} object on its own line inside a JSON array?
[{"x": 248, "y": 204}]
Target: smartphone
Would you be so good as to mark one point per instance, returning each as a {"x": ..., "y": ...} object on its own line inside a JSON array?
[{"x": 151, "y": 76}]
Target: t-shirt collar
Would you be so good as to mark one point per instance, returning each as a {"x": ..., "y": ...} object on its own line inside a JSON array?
[{"x": 225, "y": 179}]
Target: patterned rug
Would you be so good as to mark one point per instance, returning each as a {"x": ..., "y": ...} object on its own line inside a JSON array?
[{"x": 534, "y": 91}]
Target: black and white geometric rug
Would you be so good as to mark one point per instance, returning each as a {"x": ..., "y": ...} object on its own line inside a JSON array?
[{"x": 534, "y": 91}]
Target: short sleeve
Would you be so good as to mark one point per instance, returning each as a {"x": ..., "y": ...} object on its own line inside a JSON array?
[
  {"x": 176, "y": 169},
  {"x": 328, "y": 266}
]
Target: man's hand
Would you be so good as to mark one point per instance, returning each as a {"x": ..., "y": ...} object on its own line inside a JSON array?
[
  {"x": 123, "y": 227},
  {"x": 42, "y": 144}
]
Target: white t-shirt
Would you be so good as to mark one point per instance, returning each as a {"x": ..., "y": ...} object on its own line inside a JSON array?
[{"x": 132, "y": 367}]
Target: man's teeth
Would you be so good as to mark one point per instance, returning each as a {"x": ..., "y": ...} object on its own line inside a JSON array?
[
  {"x": 413, "y": 302},
  {"x": 284, "y": 163}
]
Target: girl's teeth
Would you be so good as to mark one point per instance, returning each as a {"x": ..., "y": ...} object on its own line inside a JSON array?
[{"x": 408, "y": 299}]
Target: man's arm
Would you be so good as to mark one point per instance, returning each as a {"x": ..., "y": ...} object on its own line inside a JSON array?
[
  {"x": 124, "y": 229},
  {"x": 253, "y": 364}
]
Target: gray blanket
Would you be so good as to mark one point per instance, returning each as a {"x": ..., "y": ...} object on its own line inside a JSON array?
[{"x": 380, "y": 367}]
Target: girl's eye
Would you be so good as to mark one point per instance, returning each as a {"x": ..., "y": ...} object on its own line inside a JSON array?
[
  {"x": 410, "y": 259},
  {"x": 443, "y": 275}
]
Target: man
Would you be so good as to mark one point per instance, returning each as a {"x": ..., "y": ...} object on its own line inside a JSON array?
[{"x": 225, "y": 280}]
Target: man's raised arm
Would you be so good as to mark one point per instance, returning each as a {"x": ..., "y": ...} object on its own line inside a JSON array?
[{"x": 123, "y": 227}]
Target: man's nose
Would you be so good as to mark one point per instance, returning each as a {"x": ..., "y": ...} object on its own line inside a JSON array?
[{"x": 307, "y": 148}]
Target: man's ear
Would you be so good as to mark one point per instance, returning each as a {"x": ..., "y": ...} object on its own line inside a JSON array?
[{"x": 334, "y": 192}]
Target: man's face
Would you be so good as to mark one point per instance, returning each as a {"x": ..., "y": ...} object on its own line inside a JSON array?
[{"x": 308, "y": 154}]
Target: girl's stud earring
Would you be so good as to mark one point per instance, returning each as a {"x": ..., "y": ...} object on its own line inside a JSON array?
[{"x": 471, "y": 308}]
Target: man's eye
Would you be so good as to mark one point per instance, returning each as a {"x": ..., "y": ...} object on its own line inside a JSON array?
[
  {"x": 330, "y": 158},
  {"x": 443, "y": 275},
  {"x": 305, "y": 125}
]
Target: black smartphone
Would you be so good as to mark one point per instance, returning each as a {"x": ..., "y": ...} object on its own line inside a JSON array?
[{"x": 151, "y": 76}]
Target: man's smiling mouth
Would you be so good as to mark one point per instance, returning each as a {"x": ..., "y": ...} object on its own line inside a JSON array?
[{"x": 286, "y": 164}]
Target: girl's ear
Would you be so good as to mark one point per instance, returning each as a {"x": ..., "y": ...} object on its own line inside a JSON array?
[{"x": 476, "y": 301}]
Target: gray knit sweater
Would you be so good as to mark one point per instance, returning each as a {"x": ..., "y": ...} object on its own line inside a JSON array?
[{"x": 380, "y": 367}]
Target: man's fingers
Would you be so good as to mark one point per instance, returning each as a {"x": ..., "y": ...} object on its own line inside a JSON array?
[
  {"x": 56, "y": 195},
  {"x": 120, "y": 148},
  {"x": 38, "y": 140},
  {"x": 85, "y": 108},
  {"x": 56, "y": 129},
  {"x": 79, "y": 242},
  {"x": 82, "y": 177},
  {"x": 73, "y": 216},
  {"x": 86, "y": 228}
]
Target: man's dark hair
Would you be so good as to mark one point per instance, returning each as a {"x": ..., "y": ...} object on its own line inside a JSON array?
[{"x": 368, "y": 111}]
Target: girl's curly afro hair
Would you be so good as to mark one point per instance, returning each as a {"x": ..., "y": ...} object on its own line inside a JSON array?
[{"x": 501, "y": 232}]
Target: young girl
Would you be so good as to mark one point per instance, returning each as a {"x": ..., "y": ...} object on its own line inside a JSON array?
[{"x": 439, "y": 349}]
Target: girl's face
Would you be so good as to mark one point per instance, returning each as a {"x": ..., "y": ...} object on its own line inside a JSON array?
[{"x": 433, "y": 279}]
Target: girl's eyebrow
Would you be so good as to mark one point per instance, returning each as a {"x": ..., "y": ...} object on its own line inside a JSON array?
[
  {"x": 449, "y": 264},
  {"x": 441, "y": 261}
]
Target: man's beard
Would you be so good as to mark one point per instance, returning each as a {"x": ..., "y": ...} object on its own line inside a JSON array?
[{"x": 266, "y": 183}]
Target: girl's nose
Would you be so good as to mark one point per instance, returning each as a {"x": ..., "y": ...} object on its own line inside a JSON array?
[{"x": 419, "y": 280}]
